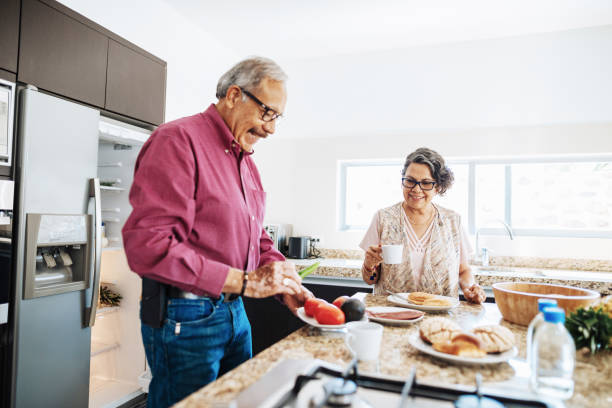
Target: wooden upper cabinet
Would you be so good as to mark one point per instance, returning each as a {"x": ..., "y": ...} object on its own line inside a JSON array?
[
  {"x": 9, "y": 34},
  {"x": 135, "y": 84},
  {"x": 62, "y": 55}
]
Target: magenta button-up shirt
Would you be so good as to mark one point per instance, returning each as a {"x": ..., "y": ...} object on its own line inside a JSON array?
[{"x": 198, "y": 207}]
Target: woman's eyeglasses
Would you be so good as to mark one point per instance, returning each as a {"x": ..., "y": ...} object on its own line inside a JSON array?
[{"x": 425, "y": 185}]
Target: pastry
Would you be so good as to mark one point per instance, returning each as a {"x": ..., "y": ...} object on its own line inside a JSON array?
[
  {"x": 438, "y": 329},
  {"x": 437, "y": 301},
  {"x": 494, "y": 338},
  {"x": 462, "y": 344},
  {"x": 419, "y": 297}
]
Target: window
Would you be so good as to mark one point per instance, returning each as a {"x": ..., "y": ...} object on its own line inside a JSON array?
[
  {"x": 457, "y": 197},
  {"x": 367, "y": 187},
  {"x": 562, "y": 197},
  {"x": 569, "y": 196}
]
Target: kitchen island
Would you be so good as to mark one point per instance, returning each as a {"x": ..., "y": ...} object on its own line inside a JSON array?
[{"x": 593, "y": 387}]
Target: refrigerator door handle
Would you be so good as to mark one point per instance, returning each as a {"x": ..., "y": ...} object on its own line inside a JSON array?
[{"x": 90, "y": 312}]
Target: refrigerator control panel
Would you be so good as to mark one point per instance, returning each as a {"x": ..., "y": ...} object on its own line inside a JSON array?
[{"x": 55, "y": 229}]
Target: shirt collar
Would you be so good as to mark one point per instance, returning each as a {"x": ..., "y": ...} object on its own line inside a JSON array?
[{"x": 227, "y": 138}]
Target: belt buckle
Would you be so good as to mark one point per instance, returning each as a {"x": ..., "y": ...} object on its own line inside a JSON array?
[{"x": 230, "y": 297}]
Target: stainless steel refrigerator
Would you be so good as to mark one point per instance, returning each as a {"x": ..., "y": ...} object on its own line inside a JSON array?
[{"x": 72, "y": 175}]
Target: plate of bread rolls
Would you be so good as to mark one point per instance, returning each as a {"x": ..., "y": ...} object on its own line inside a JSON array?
[
  {"x": 444, "y": 339},
  {"x": 426, "y": 302}
]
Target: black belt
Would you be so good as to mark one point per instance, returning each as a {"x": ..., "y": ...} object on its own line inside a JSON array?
[{"x": 176, "y": 293}]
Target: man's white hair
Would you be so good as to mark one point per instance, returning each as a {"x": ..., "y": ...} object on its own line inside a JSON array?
[{"x": 249, "y": 73}]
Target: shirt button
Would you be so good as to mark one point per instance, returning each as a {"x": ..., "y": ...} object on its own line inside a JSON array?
[
  {"x": 252, "y": 248},
  {"x": 226, "y": 151},
  {"x": 252, "y": 217}
]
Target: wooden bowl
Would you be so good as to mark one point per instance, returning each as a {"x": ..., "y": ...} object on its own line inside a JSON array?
[{"x": 518, "y": 301}]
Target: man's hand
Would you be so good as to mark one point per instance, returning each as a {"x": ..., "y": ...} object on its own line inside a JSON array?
[
  {"x": 276, "y": 278},
  {"x": 474, "y": 294},
  {"x": 294, "y": 302}
]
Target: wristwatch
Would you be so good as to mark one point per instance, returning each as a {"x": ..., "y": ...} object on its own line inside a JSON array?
[{"x": 244, "y": 282}]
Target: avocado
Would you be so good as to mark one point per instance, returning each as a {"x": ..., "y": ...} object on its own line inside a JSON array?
[{"x": 353, "y": 309}]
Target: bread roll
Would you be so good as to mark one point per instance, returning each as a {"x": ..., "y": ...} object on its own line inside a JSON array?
[
  {"x": 438, "y": 329},
  {"x": 495, "y": 338},
  {"x": 462, "y": 344}
]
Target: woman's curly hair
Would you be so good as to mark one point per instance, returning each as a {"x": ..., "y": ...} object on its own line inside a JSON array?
[{"x": 441, "y": 173}]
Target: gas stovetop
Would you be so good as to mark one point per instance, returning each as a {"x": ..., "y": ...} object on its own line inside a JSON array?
[{"x": 315, "y": 383}]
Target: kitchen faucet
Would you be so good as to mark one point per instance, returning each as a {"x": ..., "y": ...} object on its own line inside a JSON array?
[{"x": 483, "y": 254}]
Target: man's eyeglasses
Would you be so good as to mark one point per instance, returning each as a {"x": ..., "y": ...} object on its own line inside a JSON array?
[
  {"x": 412, "y": 183},
  {"x": 269, "y": 114}
]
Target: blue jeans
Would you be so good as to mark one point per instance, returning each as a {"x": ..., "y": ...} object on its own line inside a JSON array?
[{"x": 201, "y": 339}]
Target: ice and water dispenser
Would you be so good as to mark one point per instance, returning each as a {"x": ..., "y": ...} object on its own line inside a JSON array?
[{"x": 57, "y": 254}]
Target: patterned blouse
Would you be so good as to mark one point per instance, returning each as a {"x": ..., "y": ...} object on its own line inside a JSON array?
[{"x": 429, "y": 264}]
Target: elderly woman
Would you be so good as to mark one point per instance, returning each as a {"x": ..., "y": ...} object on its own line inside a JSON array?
[{"x": 435, "y": 244}]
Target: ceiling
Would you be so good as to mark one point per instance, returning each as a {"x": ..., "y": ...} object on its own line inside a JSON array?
[{"x": 294, "y": 29}]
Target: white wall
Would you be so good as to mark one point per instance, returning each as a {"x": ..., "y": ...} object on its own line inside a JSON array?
[
  {"x": 560, "y": 77},
  {"x": 195, "y": 58},
  {"x": 540, "y": 94}
]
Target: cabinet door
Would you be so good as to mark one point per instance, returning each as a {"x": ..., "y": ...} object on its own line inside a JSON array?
[
  {"x": 9, "y": 34},
  {"x": 135, "y": 84},
  {"x": 62, "y": 55}
]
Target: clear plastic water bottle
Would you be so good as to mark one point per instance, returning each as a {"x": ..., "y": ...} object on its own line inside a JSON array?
[
  {"x": 535, "y": 324},
  {"x": 554, "y": 357}
]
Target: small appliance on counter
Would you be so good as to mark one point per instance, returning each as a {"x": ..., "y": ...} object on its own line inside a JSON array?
[
  {"x": 298, "y": 247},
  {"x": 279, "y": 234}
]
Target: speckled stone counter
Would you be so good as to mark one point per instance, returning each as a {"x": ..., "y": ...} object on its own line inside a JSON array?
[
  {"x": 600, "y": 281},
  {"x": 592, "y": 265},
  {"x": 593, "y": 387}
]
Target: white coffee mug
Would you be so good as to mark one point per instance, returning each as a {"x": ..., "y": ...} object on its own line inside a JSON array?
[
  {"x": 392, "y": 254},
  {"x": 363, "y": 339}
]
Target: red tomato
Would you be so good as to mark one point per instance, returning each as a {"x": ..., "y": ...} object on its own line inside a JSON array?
[
  {"x": 329, "y": 314},
  {"x": 311, "y": 304},
  {"x": 340, "y": 300}
]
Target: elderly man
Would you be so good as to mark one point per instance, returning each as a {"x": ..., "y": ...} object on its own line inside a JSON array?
[{"x": 196, "y": 234}]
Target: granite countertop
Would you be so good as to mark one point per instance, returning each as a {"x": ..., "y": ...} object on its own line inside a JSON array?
[
  {"x": 592, "y": 374},
  {"x": 600, "y": 281}
]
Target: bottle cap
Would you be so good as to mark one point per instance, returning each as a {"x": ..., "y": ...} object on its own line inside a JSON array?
[
  {"x": 542, "y": 303},
  {"x": 554, "y": 315}
]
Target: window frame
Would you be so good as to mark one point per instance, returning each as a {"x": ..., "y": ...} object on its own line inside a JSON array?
[{"x": 472, "y": 163}]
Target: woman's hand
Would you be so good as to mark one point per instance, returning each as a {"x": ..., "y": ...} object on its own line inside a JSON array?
[
  {"x": 474, "y": 294},
  {"x": 471, "y": 290},
  {"x": 373, "y": 258},
  {"x": 276, "y": 278}
]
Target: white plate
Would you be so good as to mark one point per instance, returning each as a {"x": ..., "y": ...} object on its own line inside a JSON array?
[
  {"x": 418, "y": 343},
  {"x": 401, "y": 301},
  {"x": 313, "y": 322},
  {"x": 390, "y": 309}
]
